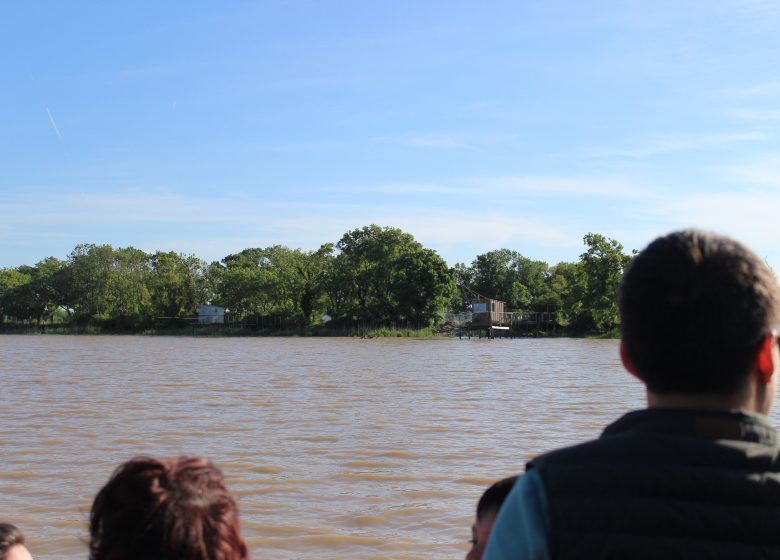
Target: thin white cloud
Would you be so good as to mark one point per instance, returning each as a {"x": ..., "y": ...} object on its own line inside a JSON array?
[
  {"x": 54, "y": 124},
  {"x": 401, "y": 188},
  {"x": 758, "y": 11},
  {"x": 766, "y": 114},
  {"x": 770, "y": 88},
  {"x": 134, "y": 206},
  {"x": 214, "y": 227},
  {"x": 155, "y": 70},
  {"x": 556, "y": 186},
  {"x": 752, "y": 214},
  {"x": 445, "y": 141},
  {"x": 762, "y": 173},
  {"x": 528, "y": 216},
  {"x": 511, "y": 187},
  {"x": 450, "y": 232},
  {"x": 450, "y": 140},
  {"x": 662, "y": 144}
]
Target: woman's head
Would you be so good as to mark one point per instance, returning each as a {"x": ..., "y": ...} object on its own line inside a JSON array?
[
  {"x": 12, "y": 543},
  {"x": 154, "y": 509}
]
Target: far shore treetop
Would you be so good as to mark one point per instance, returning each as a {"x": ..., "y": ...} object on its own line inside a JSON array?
[{"x": 378, "y": 276}]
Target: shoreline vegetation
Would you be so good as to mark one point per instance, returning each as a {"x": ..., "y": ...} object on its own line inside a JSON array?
[
  {"x": 221, "y": 331},
  {"x": 374, "y": 282},
  {"x": 197, "y": 330},
  {"x": 226, "y": 331}
]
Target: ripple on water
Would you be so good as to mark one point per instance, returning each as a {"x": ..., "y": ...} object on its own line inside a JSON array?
[{"x": 334, "y": 448}]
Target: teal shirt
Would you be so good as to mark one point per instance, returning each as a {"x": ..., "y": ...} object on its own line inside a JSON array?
[{"x": 523, "y": 523}]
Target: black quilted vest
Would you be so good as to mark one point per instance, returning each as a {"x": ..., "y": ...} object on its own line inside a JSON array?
[{"x": 665, "y": 483}]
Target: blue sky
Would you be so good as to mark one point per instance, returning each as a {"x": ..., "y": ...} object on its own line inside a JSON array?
[{"x": 208, "y": 128}]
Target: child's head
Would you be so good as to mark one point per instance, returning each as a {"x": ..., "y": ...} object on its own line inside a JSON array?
[{"x": 487, "y": 508}]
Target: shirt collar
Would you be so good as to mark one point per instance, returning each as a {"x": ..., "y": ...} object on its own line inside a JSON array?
[{"x": 734, "y": 425}]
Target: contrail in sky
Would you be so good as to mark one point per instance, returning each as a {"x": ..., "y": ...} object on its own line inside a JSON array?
[{"x": 54, "y": 124}]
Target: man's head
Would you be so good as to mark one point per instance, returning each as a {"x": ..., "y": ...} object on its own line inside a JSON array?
[
  {"x": 157, "y": 509},
  {"x": 695, "y": 309}
]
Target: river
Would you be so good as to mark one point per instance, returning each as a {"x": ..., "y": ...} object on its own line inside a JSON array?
[{"x": 334, "y": 447}]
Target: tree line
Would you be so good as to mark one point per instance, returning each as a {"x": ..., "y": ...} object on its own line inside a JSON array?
[{"x": 377, "y": 276}]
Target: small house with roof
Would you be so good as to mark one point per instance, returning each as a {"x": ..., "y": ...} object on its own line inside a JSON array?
[{"x": 211, "y": 315}]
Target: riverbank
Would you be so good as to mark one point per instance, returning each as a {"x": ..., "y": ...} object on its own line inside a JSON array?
[
  {"x": 224, "y": 331},
  {"x": 253, "y": 331}
]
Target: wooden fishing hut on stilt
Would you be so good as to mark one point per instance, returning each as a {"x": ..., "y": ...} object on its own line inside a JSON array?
[{"x": 488, "y": 316}]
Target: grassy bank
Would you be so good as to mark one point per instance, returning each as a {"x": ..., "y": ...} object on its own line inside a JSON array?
[
  {"x": 221, "y": 331},
  {"x": 229, "y": 330}
]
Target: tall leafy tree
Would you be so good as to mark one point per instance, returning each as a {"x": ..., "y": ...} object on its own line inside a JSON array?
[
  {"x": 603, "y": 264},
  {"x": 313, "y": 269},
  {"x": 50, "y": 285},
  {"x": 177, "y": 284},
  {"x": 288, "y": 284},
  {"x": 464, "y": 279},
  {"x": 89, "y": 282},
  {"x": 32, "y": 293},
  {"x": 508, "y": 276},
  {"x": 382, "y": 276},
  {"x": 565, "y": 293},
  {"x": 12, "y": 282},
  {"x": 128, "y": 296},
  {"x": 241, "y": 284}
]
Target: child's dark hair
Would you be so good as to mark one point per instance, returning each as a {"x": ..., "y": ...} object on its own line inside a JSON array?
[{"x": 494, "y": 496}]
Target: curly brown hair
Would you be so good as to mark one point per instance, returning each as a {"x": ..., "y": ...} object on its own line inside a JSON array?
[
  {"x": 165, "y": 509},
  {"x": 10, "y": 535}
]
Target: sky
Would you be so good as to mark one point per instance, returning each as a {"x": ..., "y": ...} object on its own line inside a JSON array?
[{"x": 207, "y": 128}]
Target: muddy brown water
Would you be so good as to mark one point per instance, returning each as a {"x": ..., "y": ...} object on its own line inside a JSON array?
[{"x": 335, "y": 448}]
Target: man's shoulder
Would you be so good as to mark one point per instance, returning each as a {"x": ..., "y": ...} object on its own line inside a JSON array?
[
  {"x": 658, "y": 436},
  {"x": 590, "y": 449}
]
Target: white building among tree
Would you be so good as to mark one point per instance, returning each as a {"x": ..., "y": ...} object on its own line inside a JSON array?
[{"x": 211, "y": 314}]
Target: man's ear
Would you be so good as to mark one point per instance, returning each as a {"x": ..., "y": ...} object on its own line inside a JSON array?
[
  {"x": 627, "y": 361},
  {"x": 765, "y": 359}
]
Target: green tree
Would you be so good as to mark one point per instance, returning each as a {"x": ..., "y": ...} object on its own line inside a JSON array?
[
  {"x": 177, "y": 284},
  {"x": 50, "y": 281},
  {"x": 89, "y": 272},
  {"x": 313, "y": 268},
  {"x": 508, "y": 276},
  {"x": 565, "y": 293},
  {"x": 464, "y": 280},
  {"x": 108, "y": 285},
  {"x": 602, "y": 265},
  {"x": 240, "y": 284},
  {"x": 40, "y": 297},
  {"x": 383, "y": 276},
  {"x": 279, "y": 282},
  {"x": 128, "y": 294},
  {"x": 424, "y": 286},
  {"x": 12, "y": 282}
]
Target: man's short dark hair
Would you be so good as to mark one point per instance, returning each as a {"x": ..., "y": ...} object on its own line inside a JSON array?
[{"x": 694, "y": 308}]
